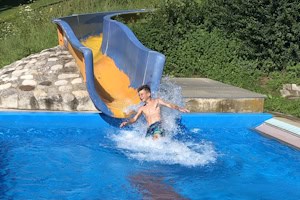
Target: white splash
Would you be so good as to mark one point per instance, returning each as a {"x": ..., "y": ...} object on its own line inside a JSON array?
[{"x": 164, "y": 150}]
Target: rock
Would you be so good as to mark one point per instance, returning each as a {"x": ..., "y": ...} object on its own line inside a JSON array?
[
  {"x": 50, "y": 102},
  {"x": 20, "y": 67},
  {"x": 65, "y": 88},
  {"x": 9, "y": 71},
  {"x": 18, "y": 62},
  {"x": 80, "y": 94},
  {"x": 40, "y": 63},
  {"x": 24, "y": 100},
  {"x": 46, "y": 83},
  {"x": 27, "y": 77},
  {"x": 56, "y": 67},
  {"x": 287, "y": 86},
  {"x": 67, "y": 76},
  {"x": 29, "y": 82},
  {"x": 8, "y": 92},
  {"x": 9, "y": 102},
  {"x": 76, "y": 81},
  {"x": 39, "y": 94},
  {"x": 290, "y": 91},
  {"x": 19, "y": 72},
  {"x": 33, "y": 72},
  {"x": 13, "y": 78},
  {"x": 3, "y": 76},
  {"x": 70, "y": 102},
  {"x": 5, "y": 86},
  {"x": 69, "y": 70},
  {"x": 52, "y": 59},
  {"x": 32, "y": 61},
  {"x": 67, "y": 97},
  {"x": 26, "y": 87},
  {"x": 70, "y": 64},
  {"x": 295, "y": 87},
  {"x": 61, "y": 82},
  {"x": 84, "y": 101}
]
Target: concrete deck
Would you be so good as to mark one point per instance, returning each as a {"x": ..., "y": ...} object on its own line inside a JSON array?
[
  {"x": 206, "y": 95},
  {"x": 208, "y": 88}
]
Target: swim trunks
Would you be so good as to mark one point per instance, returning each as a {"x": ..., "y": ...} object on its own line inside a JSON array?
[{"x": 155, "y": 128}]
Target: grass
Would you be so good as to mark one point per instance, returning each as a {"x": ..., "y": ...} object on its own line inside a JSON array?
[{"x": 28, "y": 28}]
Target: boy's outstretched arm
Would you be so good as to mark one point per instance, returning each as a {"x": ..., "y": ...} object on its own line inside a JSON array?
[
  {"x": 173, "y": 106},
  {"x": 132, "y": 120}
]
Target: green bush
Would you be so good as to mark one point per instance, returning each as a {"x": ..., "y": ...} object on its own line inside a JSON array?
[
  {"x": 210, "y": 54},
  {"x": 283, "y": 105},
  {"x": 269, "y": 29},
  {"x": 176, "y": 29},
  {"x": 164, "y": 28}
]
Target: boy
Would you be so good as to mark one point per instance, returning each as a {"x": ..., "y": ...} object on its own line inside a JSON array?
[{"x": 151, "y": 111}]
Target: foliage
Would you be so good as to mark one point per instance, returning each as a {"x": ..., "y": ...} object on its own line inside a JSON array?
[
  {"x": 283, "y": 105},
  {"x": 165, "y": 27},
  {"x": 211, "y": 55},
  {"x": 269, "y": 29},
  {"x": 176, "y": 30}
]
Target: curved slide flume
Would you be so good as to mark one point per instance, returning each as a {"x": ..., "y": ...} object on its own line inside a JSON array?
[{"x": 112, "y": 61}]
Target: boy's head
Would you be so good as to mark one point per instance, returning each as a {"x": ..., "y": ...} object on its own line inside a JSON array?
[{"x": 144, "y": 92}]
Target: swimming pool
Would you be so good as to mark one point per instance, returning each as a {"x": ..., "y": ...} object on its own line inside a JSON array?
[{"x": 80, "y": 156}]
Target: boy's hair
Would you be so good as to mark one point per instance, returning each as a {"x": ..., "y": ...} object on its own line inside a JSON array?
[{"x": 144, "y": 87}]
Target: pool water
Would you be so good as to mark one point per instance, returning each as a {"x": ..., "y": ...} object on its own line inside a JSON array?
[{"x": 78, "y": 161}]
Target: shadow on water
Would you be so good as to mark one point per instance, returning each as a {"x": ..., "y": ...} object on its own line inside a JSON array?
[{"x": 153, "y": 187}]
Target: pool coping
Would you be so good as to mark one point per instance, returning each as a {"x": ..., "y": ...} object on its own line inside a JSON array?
[{"x": 282, "y": 129}]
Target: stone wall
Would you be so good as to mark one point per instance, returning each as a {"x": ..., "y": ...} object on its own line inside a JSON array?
[
  {"x": 291, "y": 91},
  {"x": 49, "y": 80}
]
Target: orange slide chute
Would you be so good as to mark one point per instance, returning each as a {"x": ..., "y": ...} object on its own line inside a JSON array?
[{"x": 112, "y": 84}]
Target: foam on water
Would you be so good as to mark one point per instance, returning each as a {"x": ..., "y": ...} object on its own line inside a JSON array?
[{"x": 166, "y": 150}]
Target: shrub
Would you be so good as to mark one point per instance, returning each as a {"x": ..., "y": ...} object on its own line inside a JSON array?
[
  {"x": 164, "y": 28},
  {"x": 269, "y": 29},
  {"x": 210, "y": 54}
]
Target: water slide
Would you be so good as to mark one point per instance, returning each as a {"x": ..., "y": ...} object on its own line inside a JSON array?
[{"x": 112, "y": 61}]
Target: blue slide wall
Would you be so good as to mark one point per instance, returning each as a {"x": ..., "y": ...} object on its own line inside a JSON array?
[{"x": 142, "y": 65}]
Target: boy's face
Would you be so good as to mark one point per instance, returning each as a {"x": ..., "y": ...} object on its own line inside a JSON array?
[{"x": 144, "y": 95}]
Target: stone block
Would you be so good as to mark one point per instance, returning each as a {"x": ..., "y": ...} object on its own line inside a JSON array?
[
  {"x": 287, "y": 86},
  {"x": 24, "y": 100},
  {"x": 5, "y": 86},
  {"x": 295, "y": 87},
  {"x": 285, "y": 93},
  {"x": 10, "y": 102}
]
